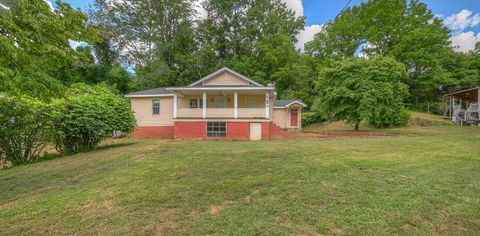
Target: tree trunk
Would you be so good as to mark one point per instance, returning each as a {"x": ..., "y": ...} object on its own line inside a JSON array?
[{"x": 357, "y": 126}]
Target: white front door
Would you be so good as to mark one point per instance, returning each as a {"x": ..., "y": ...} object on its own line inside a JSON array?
[{"x": 255, "y": 131}]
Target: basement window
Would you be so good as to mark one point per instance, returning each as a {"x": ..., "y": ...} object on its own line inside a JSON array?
[{"x": 216, "y": 129}]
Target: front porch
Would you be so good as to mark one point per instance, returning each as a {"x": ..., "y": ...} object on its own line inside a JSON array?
[
  {"x": 463, "y": 106},
  {"x": 208, "y": 104}
]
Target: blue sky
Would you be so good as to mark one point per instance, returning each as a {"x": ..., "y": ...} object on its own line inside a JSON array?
[{"x": 461, "y": 16}]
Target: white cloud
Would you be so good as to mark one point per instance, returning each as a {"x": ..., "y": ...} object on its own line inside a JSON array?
[
  {"x": 462, "y": 20},
  {"x": 50, "y": 5},
  {"x": 296, "y": 6},
  {"x": 306, "y": 35},
  {"x": 465, "y": 41}
]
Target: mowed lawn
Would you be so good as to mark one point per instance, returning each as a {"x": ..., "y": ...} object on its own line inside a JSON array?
[{"x": 417, "y": 180}]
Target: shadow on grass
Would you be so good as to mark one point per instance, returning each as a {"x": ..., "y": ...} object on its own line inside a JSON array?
[{"x": 56, "y": 155}]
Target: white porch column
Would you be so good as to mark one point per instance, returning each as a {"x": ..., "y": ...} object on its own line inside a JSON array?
[
  {"x": 267, "y": 105},
  {"x": 453, "y": 108},
  {"x": 478, "y": 102},
  {"x": 235, "y": 105},
  {"x": 204, "y": 105},
  {"x": 175, "y": 98}
]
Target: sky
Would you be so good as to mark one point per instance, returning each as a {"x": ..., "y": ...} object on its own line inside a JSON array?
[{"x": 462, "y": 17}]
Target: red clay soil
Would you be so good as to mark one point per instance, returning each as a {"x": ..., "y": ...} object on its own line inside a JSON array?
[{"x": 336, "y": 135}]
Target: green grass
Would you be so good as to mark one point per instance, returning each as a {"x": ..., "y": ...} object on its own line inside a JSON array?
[{"x": 417, "y": 180}]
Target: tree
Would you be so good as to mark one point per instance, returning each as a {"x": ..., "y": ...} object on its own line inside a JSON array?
[
  {"x": 357, "y": 90},
  {"x": 34, "y": 46},
  {"x": 404, "y": 30},
  {"x": 150, "y": 32},
  {"x": 255, "y": 38}
]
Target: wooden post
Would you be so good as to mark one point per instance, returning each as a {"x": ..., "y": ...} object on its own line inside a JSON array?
[
  {"x": 235, "y": 105},
  {"x": 204, "y": 105},
  {"x": 450, "y": 106},
  {"x": 478, "y": 102},
  {"x": 267, "y": 105},
  {"x": 175, "y": 105}
]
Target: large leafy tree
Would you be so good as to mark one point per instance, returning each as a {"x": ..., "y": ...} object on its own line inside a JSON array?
[
  {"x": 404, "y": 30},
  {"x": 255, "y": 38},
  {"x": 34, "y": 45},
  {"x": 357, "y": 90},
  {"x": 148, "y": 33}
]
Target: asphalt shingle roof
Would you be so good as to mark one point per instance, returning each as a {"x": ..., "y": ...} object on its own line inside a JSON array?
[
  {"x": 282, "y": 103},
  {"x": 155, "y": 91}
]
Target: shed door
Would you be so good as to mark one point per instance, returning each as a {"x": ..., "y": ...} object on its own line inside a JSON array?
[
  {"x": 255, "y": 131},
  {"x": 294, "y": 117}
]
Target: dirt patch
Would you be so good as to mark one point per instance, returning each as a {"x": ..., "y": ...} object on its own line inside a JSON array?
[
  {"x": 215, "y": 209},
  {"x": 167, "y": 217},
  {"x": 162, "y": 227},
  {"x": 336, "y": 231}
]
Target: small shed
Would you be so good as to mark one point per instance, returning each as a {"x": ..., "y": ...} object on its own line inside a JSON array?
[{"x": 463, "y": 106}]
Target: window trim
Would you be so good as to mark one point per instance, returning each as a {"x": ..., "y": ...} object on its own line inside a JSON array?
[
  {"x": 190, "y": 103},
  {"x": 218, "y": 134},
  {"x": 154, "y": 101}
]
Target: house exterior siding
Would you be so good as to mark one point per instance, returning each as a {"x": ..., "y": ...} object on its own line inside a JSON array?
[{"x": 228, "y": 97}]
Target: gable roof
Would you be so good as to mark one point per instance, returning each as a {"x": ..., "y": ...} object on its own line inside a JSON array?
[
  {"x": 223, "y": 70},
  {"x": 156, "y": 92},
  {"x": 287, "y": 103}
]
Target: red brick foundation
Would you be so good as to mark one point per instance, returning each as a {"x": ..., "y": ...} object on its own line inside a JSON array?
[
  {"x": 277, "y": 132},
  {"x": 197, "y": 130},
  {"x": 190, "y": 130},
  {"x": 238, "y": 130},
  {"x": 153, "y": 132},
  {"x": 266, "y": 130}
]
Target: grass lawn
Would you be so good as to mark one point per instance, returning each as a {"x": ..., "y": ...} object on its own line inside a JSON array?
[{"x": 416, "y": 180}]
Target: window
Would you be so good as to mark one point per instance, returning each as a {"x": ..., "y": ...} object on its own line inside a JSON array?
[
  {"x": 155, "y": 107},
  {"x": 220, "y": 102},
  {"x": 250, "y": 102},
  {"x": 216, "y": 129},
  {"x": 195, "y": 103}
]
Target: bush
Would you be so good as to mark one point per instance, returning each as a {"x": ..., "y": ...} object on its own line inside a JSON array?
[
  {"x": 309, "y": 117},
  {"x": 389, "y": 117},
  {"x": 25, "y": 129},
  {"x": 88, "y": 115}
]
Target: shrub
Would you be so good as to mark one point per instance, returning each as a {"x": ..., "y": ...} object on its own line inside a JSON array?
[
  {"x": 309, "y": 117},
  {"x": 390, "y": 117},
  {"x": 87, "y": 115},
  {"x": 25, "y": 129}
]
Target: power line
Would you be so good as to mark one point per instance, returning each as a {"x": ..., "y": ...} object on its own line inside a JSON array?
[{"x": 346, "y": 5}]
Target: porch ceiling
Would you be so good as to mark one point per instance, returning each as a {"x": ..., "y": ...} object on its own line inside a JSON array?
[
  {"x": 469, "y": 94},
  {"x": 196, "y": 92}
]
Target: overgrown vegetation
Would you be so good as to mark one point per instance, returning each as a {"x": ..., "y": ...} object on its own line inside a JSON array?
[
  {"x": 78, "y": 122},
  {"x": 88, "y": 115},
  {"x": 25, "y": 129}
]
